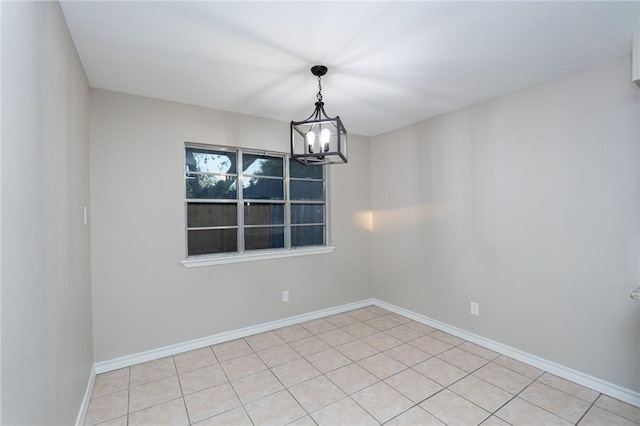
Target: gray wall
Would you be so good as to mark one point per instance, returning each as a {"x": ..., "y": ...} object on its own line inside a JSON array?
[
  {"x": 143, "y": 297},
  {"x": 528, "y": 205},
  {"x": 47, "y": 351}
]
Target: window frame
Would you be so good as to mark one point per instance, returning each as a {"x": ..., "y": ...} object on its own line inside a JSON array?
[{"x": 243, "y": 255}]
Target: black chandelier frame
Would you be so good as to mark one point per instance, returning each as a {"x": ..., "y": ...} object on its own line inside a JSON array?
[{"x": 331, "y": 149}]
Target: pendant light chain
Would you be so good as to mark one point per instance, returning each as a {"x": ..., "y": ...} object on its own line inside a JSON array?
[{"x": 319, "y": 95}]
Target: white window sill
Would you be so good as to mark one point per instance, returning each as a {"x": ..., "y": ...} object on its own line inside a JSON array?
[{"x": 199, "y": 261}]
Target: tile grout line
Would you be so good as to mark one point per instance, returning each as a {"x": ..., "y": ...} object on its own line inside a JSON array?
[
  {"x": 303, "y": 356},
  {"x": 456, "y": 381},
  {"x": 381, "y": 380},
  {"x": 383, "y": 352},
  {"x": 128, "y": 394},
  {"x": 321, "y": 373},
  {"x": 491, "y": 413},
  {"x": 324, "y": 374},
  {"x": 184, "y": 401},
  {"x": 243, "y": 405},
  {"x": 287, "y": 387},
  {"x": 588, "y": 409},
  {"x": 591, "y": 404},
  {"x": 377, "y": 315},
  {"x": 244, "y": 408},
  {"x": 624, "y": 416},
  {"x": 536, "y": 405}
]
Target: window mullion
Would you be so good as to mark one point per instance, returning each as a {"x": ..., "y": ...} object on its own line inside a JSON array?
[
  {"x": 240, "y": 192},
  {"x": 325, "y": 195},
  {"x": 287, "y": 205}
]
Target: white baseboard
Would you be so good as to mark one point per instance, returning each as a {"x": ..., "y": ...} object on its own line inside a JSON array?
[
  {"x": 567, "y": 373},
  {"x": 583, "y": 379},
  {"x": 87, "y": 398},
  {"x": 129, "y": 360},
  {"x": 151, "y": 355}
]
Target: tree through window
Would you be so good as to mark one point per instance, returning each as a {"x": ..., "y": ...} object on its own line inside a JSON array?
[{"x": 271, "y": 203}]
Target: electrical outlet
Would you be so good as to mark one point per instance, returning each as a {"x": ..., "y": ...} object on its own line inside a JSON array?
[
  {"x": 285, "y": 296},
  {"x": 475, "y": 308}
]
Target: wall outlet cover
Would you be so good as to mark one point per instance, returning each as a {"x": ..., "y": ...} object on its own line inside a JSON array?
[{"x": 475, "y": 308}]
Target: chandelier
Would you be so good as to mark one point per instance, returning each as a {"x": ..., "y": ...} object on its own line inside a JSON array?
[{"x": 319, "y": 139}]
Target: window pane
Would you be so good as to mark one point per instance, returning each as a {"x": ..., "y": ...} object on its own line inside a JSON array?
[
  {"x": 207, "y": 214},
  {"x": 298, "y": 170},
  {"x": 210, "y": 161},
  {"x": 220, "y": 181},
  {"x": 263, "y": 189},
  {"x": 212, "y": 241},
  {"x": 263, "y": 214},
  {"x": 263, "y": 238},
  {"x": 307, "y": 213},
  {"x": 262, "y": 165},
  {"x": 211, "y": 186},
  {"x": 306, "y": 190},
  {"x": 307, "y": 236}
]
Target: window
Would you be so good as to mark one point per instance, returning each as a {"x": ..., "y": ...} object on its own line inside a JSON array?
[{"x": 242, "y": 201}]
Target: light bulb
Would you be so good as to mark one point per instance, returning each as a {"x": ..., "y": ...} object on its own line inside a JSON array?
[
  {"x": 311, "y": 137},
  {"x": 325, "y": 135}
]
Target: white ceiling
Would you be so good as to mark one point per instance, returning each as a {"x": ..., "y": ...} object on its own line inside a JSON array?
[{"x": 390, "y": 63}]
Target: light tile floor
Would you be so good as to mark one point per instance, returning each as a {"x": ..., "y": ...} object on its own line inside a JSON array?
[{"x": 363, "y": 367}]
